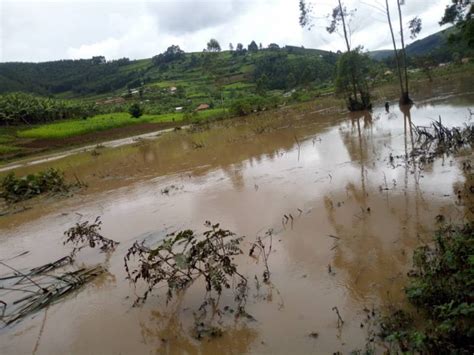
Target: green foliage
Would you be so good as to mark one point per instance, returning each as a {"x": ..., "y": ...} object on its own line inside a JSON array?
[
  {"x": 284, "y": 71},
  {"x": 135, "y": 110},
  {"x": 19, "y": 108},
  {"x": 172, "y": 54},
  {"x": 353, "y": 70},
  {"x": 252, "y": 47},
  {"x": 78, "y": 77},
  {"x": 14, "y": 189},
  {"x": 97, "y": 123},
  {"x": 183, "y": 258},
  {"x": 443, "y": 289},
  {"x": 88, "y": 234},
  {"x": 213, "y": 46}
]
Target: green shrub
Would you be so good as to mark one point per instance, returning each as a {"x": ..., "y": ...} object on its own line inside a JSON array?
[
  {"x": 14, "y": 189},
  {"x": 135, "y": 110},
  {"x": 442, "y": 288}
]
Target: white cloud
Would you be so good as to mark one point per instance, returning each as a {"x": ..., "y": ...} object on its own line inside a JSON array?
[{"x": 38, "y": 30}]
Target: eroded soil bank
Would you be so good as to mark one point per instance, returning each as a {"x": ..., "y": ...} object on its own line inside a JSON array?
[{"x": 358, "y": 215}]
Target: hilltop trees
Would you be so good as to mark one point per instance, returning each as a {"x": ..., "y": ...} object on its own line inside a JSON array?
[
  {"x": 273, "y": 47},
  {"x": 252, "y": 47},
  {"x": 213, "y": 46},
  {"x": 173, "y": 53}
]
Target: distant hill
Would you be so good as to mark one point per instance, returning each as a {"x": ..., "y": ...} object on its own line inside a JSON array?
[
  {"x": 200, "y": 74},
  {"x": 430, "y": 44}
]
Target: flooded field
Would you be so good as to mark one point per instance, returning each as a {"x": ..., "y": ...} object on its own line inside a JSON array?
[{"x": 358, "y": 210}]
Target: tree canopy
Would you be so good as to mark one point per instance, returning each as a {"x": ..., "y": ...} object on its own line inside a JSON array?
[
  {"x": 213, "y": 46},
  {"x": 173, "y": 53}
]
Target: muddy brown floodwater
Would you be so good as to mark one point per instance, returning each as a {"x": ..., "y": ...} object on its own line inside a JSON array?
[{"x": 332, "y": 172}]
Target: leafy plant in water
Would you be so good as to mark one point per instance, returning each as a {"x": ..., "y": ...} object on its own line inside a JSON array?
[
  {"x": 88, "y": 234},
  {"x": 183, "y": 258},
  {"x": 14, "y": 189},
  {"x": 264, "y": 250},
  {"x": 443, "y": 289}
]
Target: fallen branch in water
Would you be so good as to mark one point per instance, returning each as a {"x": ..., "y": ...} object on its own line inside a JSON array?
[
  {"x": 23, "y": 293},
  {"x": 437, "y": 140}
]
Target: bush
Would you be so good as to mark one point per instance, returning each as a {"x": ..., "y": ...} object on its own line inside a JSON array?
[
  {"x": 135, "y": 110},
  {"x": 15, "y": 189},
  {"x": 443, "y": 289}
]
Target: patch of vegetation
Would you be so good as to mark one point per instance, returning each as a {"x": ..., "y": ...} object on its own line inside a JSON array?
[
  {"x": 20, "y": 108},
  {"x": 6, "y": 149},
  {"x": 14, "y": 189},
  {"x": 442, "y": 289},
  {"x": 183, "y": 258},
  {"x": 135, "y": 110},
  {"x": 97, "y": 123},
  {"x": 88, "y": 234}
]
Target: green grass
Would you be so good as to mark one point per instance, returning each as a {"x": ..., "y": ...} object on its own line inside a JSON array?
[
  {"x": 239, "y": 86},
  {"x": 104, "y": 122},
  {"x": 97, "y": 123},
  {"x": 4, "y": 138},
  {"x": 6, "y": 149}
]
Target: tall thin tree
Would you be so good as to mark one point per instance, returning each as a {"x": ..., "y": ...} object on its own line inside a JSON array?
[
  {"x": 397, "y": 59},
  {"x": 405, "y": 99}
]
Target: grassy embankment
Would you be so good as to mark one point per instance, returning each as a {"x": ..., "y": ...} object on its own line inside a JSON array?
[{"x": 104, "y": 122}]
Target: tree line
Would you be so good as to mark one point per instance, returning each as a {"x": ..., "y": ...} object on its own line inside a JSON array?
[{"x": 21, "y": 108}]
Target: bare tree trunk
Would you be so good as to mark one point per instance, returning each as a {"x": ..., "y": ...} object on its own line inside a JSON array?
[
  {"x": 344, "y": 26},
  {"x": 354, "y": 88},
  {"x": 397, "y": 60},
  {"x": 405, "y": 99}
]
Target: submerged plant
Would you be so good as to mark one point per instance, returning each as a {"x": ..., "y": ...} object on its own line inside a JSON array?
[
  {"x": 185, "y": 257},
  {"x": 46, "y": 284},
  {"x": 14, "y": 189},
  {"x": 88, "y": 234},
  {"x": 437, "y": 139}
]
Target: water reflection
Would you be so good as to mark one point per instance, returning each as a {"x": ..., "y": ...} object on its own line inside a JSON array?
[{"x": 167, "y": 335}]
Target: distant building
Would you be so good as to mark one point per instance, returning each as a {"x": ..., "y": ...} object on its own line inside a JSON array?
[
  {"x": 178, "y": 109},
  {"x": 202, "y": 107},
  {"x": 173, "y": 89},
  {"x": 388, "y": 72}
]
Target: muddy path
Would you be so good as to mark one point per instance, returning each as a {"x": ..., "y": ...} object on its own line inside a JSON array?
[{"x": 357, "y": 217}]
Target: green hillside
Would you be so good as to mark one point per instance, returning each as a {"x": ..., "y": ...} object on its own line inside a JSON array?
[
  {"x": 197, "y": 73},
  {"x": 436, "y": 45}
]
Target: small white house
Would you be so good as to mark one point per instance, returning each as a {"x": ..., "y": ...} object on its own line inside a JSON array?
[{"x": 179, "y": 109}]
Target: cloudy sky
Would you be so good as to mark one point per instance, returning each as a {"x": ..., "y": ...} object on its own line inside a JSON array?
[{"x": 41, "y": 30}]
